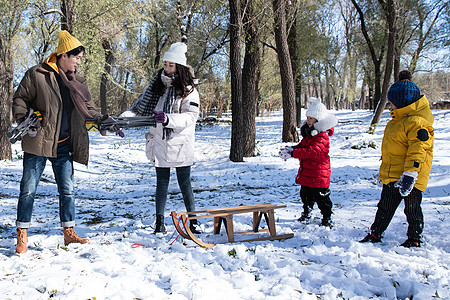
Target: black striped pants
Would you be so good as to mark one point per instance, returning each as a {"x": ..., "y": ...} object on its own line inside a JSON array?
[{"x": 390, "y": 200}]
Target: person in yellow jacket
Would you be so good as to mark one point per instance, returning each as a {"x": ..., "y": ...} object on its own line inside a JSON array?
[{"x": 406, "y": 157}]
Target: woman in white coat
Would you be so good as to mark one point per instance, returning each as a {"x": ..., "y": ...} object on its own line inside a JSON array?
[{"x": 174, "y": 101}]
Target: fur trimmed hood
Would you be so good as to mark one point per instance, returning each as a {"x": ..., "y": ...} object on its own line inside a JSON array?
[{"x": 328, "y": 122}]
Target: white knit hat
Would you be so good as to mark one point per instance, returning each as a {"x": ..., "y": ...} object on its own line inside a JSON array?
[
  {"x": 316, "y": 109},
  {"x": 176, "y": 54}
]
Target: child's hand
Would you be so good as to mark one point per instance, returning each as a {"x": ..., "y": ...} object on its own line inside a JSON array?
[
  {"x": 406, "y": 183},
  {"x": 285, "y": 152}
]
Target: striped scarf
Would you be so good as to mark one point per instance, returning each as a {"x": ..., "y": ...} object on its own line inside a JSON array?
[{"x": 148, "y": 100}]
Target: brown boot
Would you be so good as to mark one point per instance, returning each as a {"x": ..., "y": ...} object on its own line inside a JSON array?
[
  {"x": 22, "y": 241},
  {"x": 70, "y": 236}
]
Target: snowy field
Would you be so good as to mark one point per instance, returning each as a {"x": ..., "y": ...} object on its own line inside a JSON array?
[{"x": 115, "y": 209}]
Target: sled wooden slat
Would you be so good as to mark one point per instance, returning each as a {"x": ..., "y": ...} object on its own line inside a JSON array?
[{"x": 225, "y": 216}]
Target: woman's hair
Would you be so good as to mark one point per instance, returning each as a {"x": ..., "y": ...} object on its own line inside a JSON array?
[
  {"x": 183, "y": 81},
  {"x": 75, "y": 51}
]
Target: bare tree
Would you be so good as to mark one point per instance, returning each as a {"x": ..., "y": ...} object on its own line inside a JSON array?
[
  {"x": 237, "y": 132},
  {"x": 292, "y": 42},
  {"x": 250, "y": 77},
  {"x": 376, "y": 59},
  {"x": 109, "y": 57},
  {"x": 424, "y": 34},
  {"x": 287, "y": 79},
  {"x": 67, "y": 7},
  {"x": 389, "y": 10},
  {"x": 10, "y": 21}
]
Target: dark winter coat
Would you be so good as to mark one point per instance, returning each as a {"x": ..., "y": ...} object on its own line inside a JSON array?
[
  {"x": 39, "y": 90},
  {"x": 312, "y": 151}
]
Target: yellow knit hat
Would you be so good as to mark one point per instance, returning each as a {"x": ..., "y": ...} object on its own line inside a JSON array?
[{"x": 67, "y": 42}]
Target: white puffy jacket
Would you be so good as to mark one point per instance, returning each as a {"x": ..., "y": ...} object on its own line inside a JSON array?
[{"x": 178, "y": 151}]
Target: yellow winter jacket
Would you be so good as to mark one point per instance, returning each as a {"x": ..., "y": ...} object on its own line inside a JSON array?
[{"x": 408, "y": 143}]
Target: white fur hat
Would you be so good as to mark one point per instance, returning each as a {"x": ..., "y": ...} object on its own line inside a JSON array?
[
  {"x": 176, "y": 54},
  {"x": 316, "y": 109}
]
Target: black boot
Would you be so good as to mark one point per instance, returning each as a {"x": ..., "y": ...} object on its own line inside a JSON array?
[
  {"x": 159, "y": 227},
  {"x": 371, "y": 237},
  {"x": 304, "y": 217},
  {"x": 327, "y": 222},
  {"x": 410, "y": 242},
  {"x": 194, "y": 227}
]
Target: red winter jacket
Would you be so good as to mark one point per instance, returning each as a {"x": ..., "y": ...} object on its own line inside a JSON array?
[{"x": 312, "y": 151}]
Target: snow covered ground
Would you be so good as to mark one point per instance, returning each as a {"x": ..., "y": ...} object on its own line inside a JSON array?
[{"x": 115, "y": 209}]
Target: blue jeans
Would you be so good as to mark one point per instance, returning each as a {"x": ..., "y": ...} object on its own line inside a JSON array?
[
  {"x": 162, "y": 185},
  {"x": 33, "y": 167}
]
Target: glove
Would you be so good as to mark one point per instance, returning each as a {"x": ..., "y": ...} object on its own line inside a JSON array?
[
  {"x": 33, "y": 129},
  {"x": 285, "y": 152},
  {"x": 160, "y": 117},
  {"x": 406, "y": 183}
]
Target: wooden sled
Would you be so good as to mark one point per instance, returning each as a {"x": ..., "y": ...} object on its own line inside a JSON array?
[{"x": 225, "y": 216}]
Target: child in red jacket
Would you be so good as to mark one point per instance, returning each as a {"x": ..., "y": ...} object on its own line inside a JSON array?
[{"x": 312, "y": 152}]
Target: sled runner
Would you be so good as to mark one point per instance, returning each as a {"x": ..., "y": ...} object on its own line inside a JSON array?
[{"x": 225, "y": 216}]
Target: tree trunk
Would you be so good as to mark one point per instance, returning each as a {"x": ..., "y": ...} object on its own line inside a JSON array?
[
  {"x": 292, "y": 43},
  {"x": 6, "y": 90},
  {"x": 298, "y": 104},
  {"x": 397, "y": 56},
  {"x": 237, "y": 132},
  {"x": 290, "y": 133},
  {"x": 106, "y": 73},
  {"x": 376, "y": 61},
  {"x": 389, "y": 9},
  {"x": 362, "y": 96},
  {"x": 67, "y": 18},
  {"x": 8, "y": 31},
  {"x": 124, "y": 102},
  {"x": 250, "y": 79},
  {"x": 219, "y": 101}
]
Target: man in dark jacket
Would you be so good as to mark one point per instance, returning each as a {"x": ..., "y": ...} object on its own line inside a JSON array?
[{"x": 55, "y": 90}]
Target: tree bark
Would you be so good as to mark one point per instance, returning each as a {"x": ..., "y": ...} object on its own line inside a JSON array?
[
  {"x": 396, "y": 68},
  {"x": 237, "y": 133},
  {"x": 290, "y": 133},
  {"x": 250, "y": 78},
  {"x": 8, "y": 32},
  {"x": 67, "y": 18},
  {"x": 124, "y": 102},
  {"x": 6, "y": 90},
  {"x": 292, "y": 43},
  {"x": 389, "y": 9},
  {"x": 376, "y": 61},
  {"x": 105, "y": 74}
]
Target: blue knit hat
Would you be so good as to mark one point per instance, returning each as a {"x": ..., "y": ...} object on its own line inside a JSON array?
[{"x": 403, "y": 93}]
